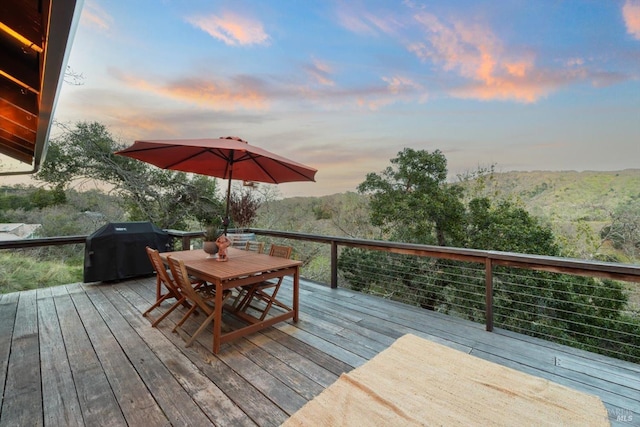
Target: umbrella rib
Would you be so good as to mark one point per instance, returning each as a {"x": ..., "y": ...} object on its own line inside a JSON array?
[
  {"x": 216, "y": 152},
  {"x": 255, "y": 161},
  {"x": 297, "y": 171},
  {"x": 160, "y": 149},
  {"x": 250, "y": 156},
  {"x": 171, "y": 165}
]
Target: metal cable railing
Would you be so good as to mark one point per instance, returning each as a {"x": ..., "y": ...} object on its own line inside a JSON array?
[{"x": 590, "y": 305}]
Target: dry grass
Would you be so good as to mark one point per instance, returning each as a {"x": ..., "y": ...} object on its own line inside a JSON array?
[{"x": 19, "y": 272}]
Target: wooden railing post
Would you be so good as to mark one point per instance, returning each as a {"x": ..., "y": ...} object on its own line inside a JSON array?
[
  {"x": 185, "y": 237},
  {"x": 334, "y": 264},
  {"x": 186, "y": 243},
  {"x": 488, "y": 274}
]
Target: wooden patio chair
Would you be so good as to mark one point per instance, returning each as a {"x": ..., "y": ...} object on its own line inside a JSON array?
[
  {"x": 164, "y": 280},
  {"x": 238, "y": 240},
  {"x": 202, "y": 298},
  {"x": 254, "y": 246},
  {"x": 266, "y": 291}
]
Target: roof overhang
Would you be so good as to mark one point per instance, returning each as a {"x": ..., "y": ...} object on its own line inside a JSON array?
[{"x": 35, "y": 40}]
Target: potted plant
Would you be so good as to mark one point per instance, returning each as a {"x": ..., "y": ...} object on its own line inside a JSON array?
[{"x": 211, "y": 233}]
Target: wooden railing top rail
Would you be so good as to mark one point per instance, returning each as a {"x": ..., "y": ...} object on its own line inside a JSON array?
[
  {"x": 45, "y": 241},
  {"x": 628, "y": 272}
]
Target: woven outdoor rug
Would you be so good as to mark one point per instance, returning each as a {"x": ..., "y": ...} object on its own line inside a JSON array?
[{"x": 416, "y": 382}]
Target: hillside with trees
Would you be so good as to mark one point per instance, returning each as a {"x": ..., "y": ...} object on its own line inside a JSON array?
[
  {"x": 580, "y": 208},
  {"x": 570, "y": 195}
]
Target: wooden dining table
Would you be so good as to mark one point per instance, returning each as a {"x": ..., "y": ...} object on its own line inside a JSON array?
[{"x": 242, "y": 268}]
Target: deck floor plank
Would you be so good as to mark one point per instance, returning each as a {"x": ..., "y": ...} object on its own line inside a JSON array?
[
  {"x": 324, "y": 342},
  {"x": 293, "y": 378},
  {"x": 258, "y": 407},
  {"x": 320, "y": 354},
  {"x": 96, "y": 397},
  {"x": 212, "y": 401},
  {"x": 60, "y": 400},
  {"x": 263, "y": 380},
  {"x": 22, "y": 397},
  {"x": 303, "y": 386},
  {"x": 8, "y": 310},
  {"x": 135, "y": 403},
  {"x": 92, "y": 341},
  {"x": 176, "y": 404}
]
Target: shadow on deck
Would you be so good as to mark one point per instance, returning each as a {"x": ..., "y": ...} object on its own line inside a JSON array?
[{"x": 84, "y": 355}]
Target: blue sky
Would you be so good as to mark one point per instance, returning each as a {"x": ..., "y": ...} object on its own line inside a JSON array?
[{"x": 343, "y": 86}]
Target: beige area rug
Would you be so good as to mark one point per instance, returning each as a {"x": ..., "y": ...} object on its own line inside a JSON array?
[{"x": 416, "y": 382}]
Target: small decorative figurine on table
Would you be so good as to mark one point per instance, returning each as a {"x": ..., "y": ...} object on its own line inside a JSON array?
[{"x": 223, "y": 243}]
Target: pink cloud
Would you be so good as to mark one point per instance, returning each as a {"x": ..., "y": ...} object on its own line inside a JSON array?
[
  {"x": 133, "y": 124},
  {"x": 232, "y": 29},
  {"x": 357, "y": 19},
  {"x": 505, "y": 89},
  {"x": 320, "y": 72},
  {"x": 487, "y": 69},
  {"x": 244, "y": 92},
  {"x": 399, "y": 84},
  {"x": 221, "y": 95},
  {"x": 397, "y": 89},
  {"x": 476, "y": 54},
  {"x": 631, "y": 15},
  {"x": 95, "y": 17},
  {"x": 355, "y": 23}
]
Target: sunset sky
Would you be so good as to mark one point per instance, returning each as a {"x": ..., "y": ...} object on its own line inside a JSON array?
[{"x": 343, "y": 86}]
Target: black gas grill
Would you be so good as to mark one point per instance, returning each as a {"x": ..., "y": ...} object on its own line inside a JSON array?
[{"x": 117, "y": 251}]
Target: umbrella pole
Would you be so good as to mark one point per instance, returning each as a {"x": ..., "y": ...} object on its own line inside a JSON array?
[{"x": 226, "y": 221}]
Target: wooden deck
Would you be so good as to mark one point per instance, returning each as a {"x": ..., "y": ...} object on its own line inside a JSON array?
[{"x": 84, "y": 355}]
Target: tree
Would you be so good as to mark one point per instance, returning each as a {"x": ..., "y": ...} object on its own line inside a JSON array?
[
  {"x": 14, "y": 198},
  {"x": 624, "y": 230},
  {"x": 412, "y": 201},
  {"x": 350, "y": 213},
  {"x": 480, "y": 182},
  {"x": 508, "y": 228},
  {"x": 167, "y": 198},
  {"x": 243, "y": 207},
  {"x": 41, "y": 198}
]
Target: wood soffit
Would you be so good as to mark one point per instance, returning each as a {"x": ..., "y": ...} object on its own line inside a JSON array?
[{"x": 35, "y": 38}]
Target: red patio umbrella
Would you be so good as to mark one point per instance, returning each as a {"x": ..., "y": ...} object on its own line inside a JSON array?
[{"x": 225, "y": 157}]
